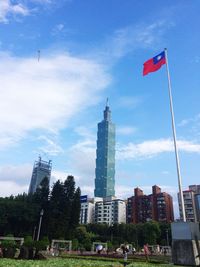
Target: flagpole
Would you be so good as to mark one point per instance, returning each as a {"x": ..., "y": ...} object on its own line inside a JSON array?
[{"x": 174, "y": 137}]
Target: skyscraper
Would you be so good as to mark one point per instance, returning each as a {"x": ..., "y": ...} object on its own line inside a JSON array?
[
  {"x": 105, "y": 157},
  {"x": 41, "y": 169}
]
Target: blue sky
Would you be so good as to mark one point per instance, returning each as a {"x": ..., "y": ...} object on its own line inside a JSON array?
[{"x": 91, "y": 50}]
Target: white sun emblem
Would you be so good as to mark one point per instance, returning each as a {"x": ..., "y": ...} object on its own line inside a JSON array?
[{"x": 158, "y": 57}]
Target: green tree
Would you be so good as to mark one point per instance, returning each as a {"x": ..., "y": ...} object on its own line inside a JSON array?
[
  {"x": 84, "y": 237},
  {"x": 151, "y": 232},
  {"x": 75, "y": 210},
  {"x": 56, "y": 211},
  {"x": 41, "y": 198}
]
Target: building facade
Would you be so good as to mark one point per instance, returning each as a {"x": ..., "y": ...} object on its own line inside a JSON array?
[
  {"x": 87, "y": 210},
  {"x": 197, "y": 203},
  {"x": 191, "y": 203},
  {"x": 157, "y": 206},
  {"x": 41, "y": 169},
  {"x": 105, "y": 157},
  {"x": 110, "y": 211}
]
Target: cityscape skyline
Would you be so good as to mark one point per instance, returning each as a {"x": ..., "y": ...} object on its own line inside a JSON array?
[{"x": 50, "y": 107}]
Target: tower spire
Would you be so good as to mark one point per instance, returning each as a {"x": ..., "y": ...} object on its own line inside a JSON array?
[
  {"x": 107, "y": 102},
  {"x": 107, "y": 112}
]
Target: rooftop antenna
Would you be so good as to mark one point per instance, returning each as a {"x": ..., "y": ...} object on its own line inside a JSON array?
[{"x": 38, "y": 55}]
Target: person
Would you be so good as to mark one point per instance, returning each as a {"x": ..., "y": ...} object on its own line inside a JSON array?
[
  {"x": 133, "y": 251},
  {"x": 146, "y": 252},
  {"x": 125, "y": 257}
]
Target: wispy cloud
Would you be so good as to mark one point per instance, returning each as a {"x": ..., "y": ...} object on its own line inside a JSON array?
[
  {"x": 50, "y": 146},
  {"x": 45, "y": 95},
  {"x": 132, "y": 37},
  {"x": 9, "y": 9},
  {"x": 58, "y": 29},
  {"x": 129, "y": 102},
  {"x": 85, "y": 132},
  {"x": 187, "y": 121},
  {"x": 152, "y": 148},
  {"x": 126, "y": 130},
  {"x": 61, "y": 30},
  {"x": 43, "y": 1},
  {"x": 192, "y": 125}
]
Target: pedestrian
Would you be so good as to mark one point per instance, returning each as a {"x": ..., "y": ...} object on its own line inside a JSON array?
[
  {"x": 146, "y": 252},
  {"x": 125, "y": 257},
  {"x": 133, "y": 251}
]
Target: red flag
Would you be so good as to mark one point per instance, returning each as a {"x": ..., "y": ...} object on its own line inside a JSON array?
[{"x": 154, "y": 63}]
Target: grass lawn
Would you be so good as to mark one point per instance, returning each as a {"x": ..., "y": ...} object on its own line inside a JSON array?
[{"x": 58, "y": 262}]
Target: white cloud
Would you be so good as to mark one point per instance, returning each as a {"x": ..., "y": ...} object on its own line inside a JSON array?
[
  {"x": 20, "y": 174},
  {"x": 85, "y": 132},
  {"x": 123, "y": 192},
  {"x": 82, "y": 159},
  {"x": 185, "y": 122},
  {"x": 87, "y": 190},
  {"x": 128, "y": 102},
  {"x": 8, "y": 9},
  {"x": 14, "y": 179},
  {"x": 140, "y": 36},
  {"x": 51, "y": 147},
  {"x": 42, "y": 1},
  {"x": 126, "y": 130},
  {"x": 82, "y": 156},
  {"x": 46, "y": 94},
  {"x": 81, "y": 163},
  {"x": 153, "y": 148},
  {"x": 8, "y": 188},
  {"x": 59, "y": 175},
  {"x": 59, "y": 28},
  {"x": 48, "y": 3}
]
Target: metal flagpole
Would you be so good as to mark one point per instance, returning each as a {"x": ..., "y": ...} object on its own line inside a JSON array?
[{"x": 174, "y": 136}]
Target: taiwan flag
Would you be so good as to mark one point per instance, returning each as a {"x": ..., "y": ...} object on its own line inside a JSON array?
[{"x": 154, "y": 63}]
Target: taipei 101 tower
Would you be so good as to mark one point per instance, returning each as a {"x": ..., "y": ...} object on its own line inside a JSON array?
[{"x": 105, "y": 157}]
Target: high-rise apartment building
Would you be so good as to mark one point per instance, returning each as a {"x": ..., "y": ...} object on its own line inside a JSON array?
[
  {"x": 87, "y": 210},
  {"x": 110, "y": 211},
  {"x": 41, "y": 169},
  {"x": 107, "y": 210},
  {"x": 157, "y": 206},
  {"x": 191, "y": 203},
  {"x": 105, "y": 157}
]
